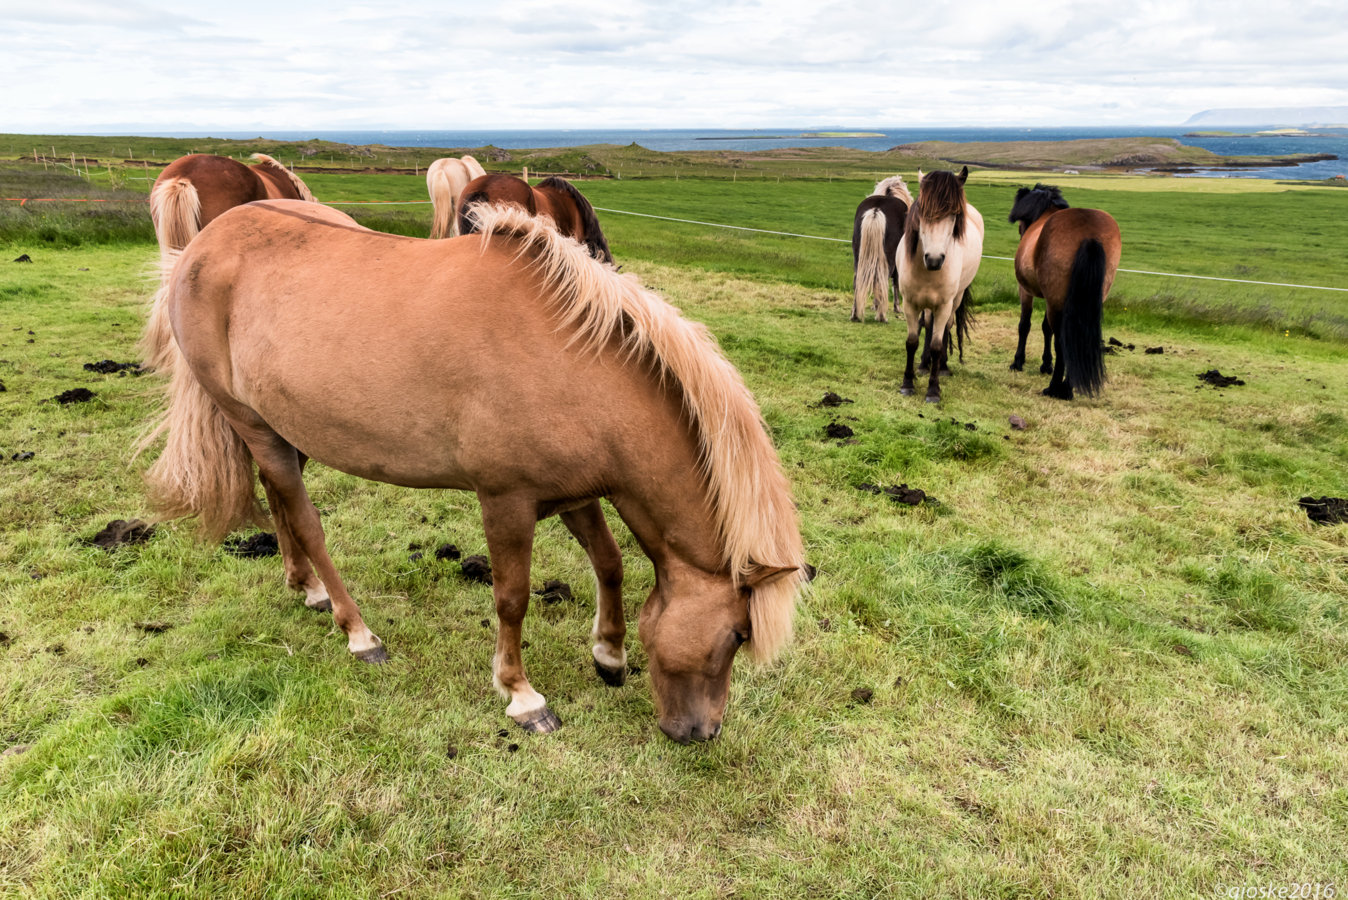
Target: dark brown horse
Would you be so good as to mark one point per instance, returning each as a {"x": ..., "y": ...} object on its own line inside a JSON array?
[
  {"x": 193, "y": 190},
  {"x": 554, "y": 197},
  {"x": 509, "y": 363},
  {"x": 876, "y": 230},
  {"x": 1069, "y": 257}
]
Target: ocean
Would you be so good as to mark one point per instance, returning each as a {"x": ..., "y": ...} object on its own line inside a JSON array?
[{"x": 667, "y": 139}]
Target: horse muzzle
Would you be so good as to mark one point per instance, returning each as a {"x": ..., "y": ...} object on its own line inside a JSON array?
[
  {"x": 682, "y": 731},
  {"x": 934, "y": 263}
]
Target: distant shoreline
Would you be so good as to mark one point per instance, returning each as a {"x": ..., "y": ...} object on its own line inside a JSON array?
[{"x": 806, "y": 136}]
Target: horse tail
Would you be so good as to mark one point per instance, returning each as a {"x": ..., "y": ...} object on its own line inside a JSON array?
[
  {"x": 157, "y": 346},
  {"x": 467, "y": 221},
  {"x": 872, "y": 273},
  {"x": 205, "y": 469},
  {"x": 175, "y": 209},
  {"x": 964, "y": 318},
  {"x": 300, "y": 187},
  {"x": 442, "y": 203},
  {"x": 1080, "y": 330}
]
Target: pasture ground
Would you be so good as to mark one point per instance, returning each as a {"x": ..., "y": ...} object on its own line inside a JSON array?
[{"x": 1113, "y": 661}]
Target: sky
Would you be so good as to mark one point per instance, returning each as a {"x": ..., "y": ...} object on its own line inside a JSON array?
[{"x": 99, "y": 65}]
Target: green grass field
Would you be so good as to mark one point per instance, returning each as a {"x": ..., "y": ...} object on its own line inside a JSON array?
[{"x": 1112, "y": 662}]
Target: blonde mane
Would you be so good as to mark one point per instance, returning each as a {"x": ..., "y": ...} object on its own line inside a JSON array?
[
  {"x": 265, "y": 160},
  {"x": 893, "y": 186},
  {"x": 750, "y": 496}
]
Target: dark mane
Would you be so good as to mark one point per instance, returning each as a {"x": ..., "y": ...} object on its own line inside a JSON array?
[
  {"x": 1031, "y": 203},
  {"x": 940, "y": 194},
  {"x": 594, "y": 235}
]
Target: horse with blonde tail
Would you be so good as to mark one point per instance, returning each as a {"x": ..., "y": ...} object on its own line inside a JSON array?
[
  {"x": 938, "y": 257},
  {"x": 877, "y": 227},
  {"x": 510, "y": 363},
  {"x": 445, "y": 180},
  {"x": 1069, "y": 257},
  {"x": 189, "y": 194}
]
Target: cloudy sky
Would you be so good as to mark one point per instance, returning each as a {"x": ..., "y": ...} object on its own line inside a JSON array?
[{"x": 95, "y": 65}]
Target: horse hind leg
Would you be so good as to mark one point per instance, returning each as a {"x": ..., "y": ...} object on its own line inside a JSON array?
[
  {"x": 509, "y": 525},
  {"x": 1023, "y": 330},
  {"x": 281, "y": 470},
  {"x": 590, "y": 529},
  {"x": 1046, "y": 367},
  {"x": 300, "y": 575}
]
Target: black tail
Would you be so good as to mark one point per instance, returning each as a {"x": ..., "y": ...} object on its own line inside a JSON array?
[
  {"x": 964, "y": 317},
  {"x": 1082, "y": 341},
  {"x": 467, "y": 224}
]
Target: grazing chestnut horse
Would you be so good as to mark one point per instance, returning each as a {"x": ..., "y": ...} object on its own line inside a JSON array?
[
  {"x": 510, "y": 363},
  {"x": 193, "y": 190},
  {"x": 1068, "y": 257},
  {"x": 445, "y": 179},
  {"x": 876, "y": 230},
  {"x": 938, "y": 256},
  {"x": 554, "y": 197}
]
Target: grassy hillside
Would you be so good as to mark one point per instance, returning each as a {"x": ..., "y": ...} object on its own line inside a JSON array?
[{"x": 1111, "y": 659}]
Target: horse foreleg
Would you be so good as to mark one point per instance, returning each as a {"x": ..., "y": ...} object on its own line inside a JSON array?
[
  {"x": 610, "y": 625},
  {"x": 913, "y": 319},
  {"x": 939, "y": 324},
  {"x": 1026, "y": 312},
  {"x": 280, "y": 467},
  {"x": 300, "y": 575},
  {"x": 509, "y": 525},
  {"x": 924, "y": 324}
]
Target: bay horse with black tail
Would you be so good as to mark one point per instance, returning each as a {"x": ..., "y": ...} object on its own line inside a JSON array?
[
  {"x": 938, "y": 257},
  {"x": 445, "y": 180},
  {"x": 1069, "y": 257},
  {"x": 876, "y": 230},
  {"x": 555, "y": 198},
  {"x": 510, "y": 363},
  {"x": 195, "y": 189}
]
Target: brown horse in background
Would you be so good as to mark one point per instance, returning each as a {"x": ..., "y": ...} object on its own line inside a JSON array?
[
  {"x": 877, "y": 227},
  {"x": 445, "y": 180},
  {"x": 554, "y": 197},
  {"x": 1069, "y": 257},
  {"x": 195, "y": 189},
  {"x": 511, "y": 363}
]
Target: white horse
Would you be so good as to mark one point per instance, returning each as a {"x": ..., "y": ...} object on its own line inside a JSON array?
[
  {"x": 938, "y": 258},
  {"x": 445, "y": 180}
]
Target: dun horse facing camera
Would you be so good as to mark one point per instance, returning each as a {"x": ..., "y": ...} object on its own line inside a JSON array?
[{"x": 510, "y": 363}]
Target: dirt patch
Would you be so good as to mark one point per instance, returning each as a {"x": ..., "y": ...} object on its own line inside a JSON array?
[
  {"x": 1326, "y": 510},
  {"x": 838, "y": 430},
  {"x": 1218, "y": 380},
  {"x": 110, "y": 367},
  {"x": 448, "y": 551},
  {"x": 901, "y": 493},
  {"x": 476, "y": 568},
  {"x": 120, "y": 531},
  {"x": 25, "y": 258},
  {"x": 256, "y": 546},
  {"x": 1115, "y": 345},
  {"x": 863, "y": 695},
  {"x": 23, "y": 456},
  {"x": 1154, "y": 350},
  {"x": 152, "y": 627},
  {"x": 4, "y": 639},
  {"x": 74, "y": 395},
  {"x": 554, "y": 591}
]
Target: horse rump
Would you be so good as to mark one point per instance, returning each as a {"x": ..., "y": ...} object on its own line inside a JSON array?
[
  {"x": 1080, "y": 329},
  {"x": 871, "y": 276}
]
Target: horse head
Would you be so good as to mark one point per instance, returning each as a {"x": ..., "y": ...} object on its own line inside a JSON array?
[
  {"x": 692, "y": 625},
  {"x": 937, "y": 218}
]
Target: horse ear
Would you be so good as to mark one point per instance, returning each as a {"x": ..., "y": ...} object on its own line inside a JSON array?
[
  {"x": 919, "y": 177},
  {"x": 761, "y": 576},
  {"x": 964, "y": 174}
]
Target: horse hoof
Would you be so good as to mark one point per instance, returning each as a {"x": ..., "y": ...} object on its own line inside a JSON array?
[
  {"x": 323, "y": 605},
  {"x": 1046, "y": 369},
  {"x": 1018, "y": 367},
  {"x": 906, "y": 391},
  {"x": 933, "y": 398},
  {"x": 855, "y": 319},
  {"x": 540, "y": 721},
  {"x": 923, "y": 370},
  {"x": 375, "y": 655},
  {"x": 945, "y": 373},
  {"x": 611, "y": 677}
]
